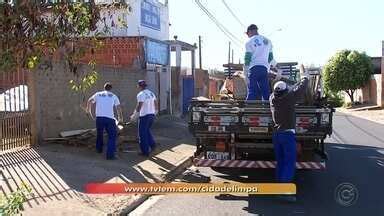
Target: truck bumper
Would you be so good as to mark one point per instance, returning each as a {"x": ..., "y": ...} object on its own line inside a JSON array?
[{"x": 309, "y": 165}]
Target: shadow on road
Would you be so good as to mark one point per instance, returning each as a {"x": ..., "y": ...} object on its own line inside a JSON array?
[{"x": 317, "y": 191}]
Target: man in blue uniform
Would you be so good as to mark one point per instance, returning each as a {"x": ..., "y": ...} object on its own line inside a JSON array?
[{"x": 257, "y": 61}]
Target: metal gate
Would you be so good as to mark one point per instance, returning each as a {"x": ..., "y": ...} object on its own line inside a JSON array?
[
  {"x": 15, "y": 121},
  {"x": 188, "y": 92}
]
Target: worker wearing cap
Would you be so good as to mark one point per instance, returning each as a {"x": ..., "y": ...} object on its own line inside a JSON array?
[
  {"x": 257, "y": 61},
  {"x": 146, "y": 108},
  {"x": 282, "y": 103},
  {"x": 105, "y": 102}
]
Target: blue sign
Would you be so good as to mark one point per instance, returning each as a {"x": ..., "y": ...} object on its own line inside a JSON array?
[
  {"x": 157, "y": 52},
  {"x": 150, "y": 15}
]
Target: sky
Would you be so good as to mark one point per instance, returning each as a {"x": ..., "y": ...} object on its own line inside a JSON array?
[{"x": 304, "y": 31}]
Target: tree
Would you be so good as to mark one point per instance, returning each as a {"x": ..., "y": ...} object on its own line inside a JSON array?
[
  {"x": 33, "y": 32},
  {"x": 347, "y": 71}
]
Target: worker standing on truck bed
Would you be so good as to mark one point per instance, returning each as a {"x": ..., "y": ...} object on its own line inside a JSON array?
[
  {"x": 257, "y": 61},
  {"x": 282, "y": 103}
]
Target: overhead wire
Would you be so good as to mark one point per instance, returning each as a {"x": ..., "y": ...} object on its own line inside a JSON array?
[
  {"x": 226, "y": 32},
  {"x": 233, "y": 14}
]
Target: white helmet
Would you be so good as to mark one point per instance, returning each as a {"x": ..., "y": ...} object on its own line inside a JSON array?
[{"x": 280, "y": 86}]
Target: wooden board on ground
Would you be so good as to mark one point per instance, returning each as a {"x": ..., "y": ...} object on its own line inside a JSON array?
[{"x": 76, "y": 132}]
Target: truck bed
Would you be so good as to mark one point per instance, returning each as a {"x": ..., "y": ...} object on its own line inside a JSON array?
[{"x": 240, "y": 130}]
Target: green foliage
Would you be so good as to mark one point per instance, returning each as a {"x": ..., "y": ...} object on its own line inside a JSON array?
[
  {"x": 29, "y": 29},
  {"x": 334, "y": 99},
  {"x": 87, "y": 81},
  {"x": 13, "y": 203},
  {"x": 32, "y": 32},
  {"x": 347, "y": 71}
]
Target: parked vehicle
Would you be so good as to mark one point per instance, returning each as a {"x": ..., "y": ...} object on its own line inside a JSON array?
[{"x": 236, "y": 133}]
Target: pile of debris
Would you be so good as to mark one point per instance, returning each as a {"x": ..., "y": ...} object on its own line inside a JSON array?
[{"x": 127, "y": 133}]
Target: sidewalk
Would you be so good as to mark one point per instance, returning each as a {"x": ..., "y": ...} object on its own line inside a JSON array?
[
  {"x": 57, "y": 173},
  {"x": 375, "y": 115}
]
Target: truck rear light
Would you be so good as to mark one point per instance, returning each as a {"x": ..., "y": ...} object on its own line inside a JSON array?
[
  {"x": 221, "y": 119},
  {"x": 257, "y": 120},
  {"x": 254, "y": 118},
  {"x": 215, "y": 118},
  {"x": 220, "y": 145},
  {"x": 306, "y": 121},
  {"x": 254, "y": 124},
  {"x": 303, "y": 125}
]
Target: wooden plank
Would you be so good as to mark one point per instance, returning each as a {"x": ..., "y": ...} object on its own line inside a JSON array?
[
  {"x": 287, "y": 64},
  {"x": 56, "y": 139},
  {"x": 75, "y": 132},
  {"x": 200, "y": 98}
]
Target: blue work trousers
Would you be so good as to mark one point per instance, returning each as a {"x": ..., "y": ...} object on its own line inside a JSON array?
[
  {"x": 284, "y": 143},
  {"x": 258, "y": 85},
  {"x": 110, "y": 126},
  {"x": 146, "y": 141}
]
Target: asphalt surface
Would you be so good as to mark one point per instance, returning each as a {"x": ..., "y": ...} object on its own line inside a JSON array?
[{"x": 356, "y": 157}]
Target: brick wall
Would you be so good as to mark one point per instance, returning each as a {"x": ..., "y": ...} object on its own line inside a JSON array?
[
  {"x": 201, "y": 83},
  {"x": 373, "y": 92},
  {"x": 212, "y": 88},
  {"x": 59, "y": 108},
  {"x": 118, "y": 52},
  {"x": 370, "y": 93}
]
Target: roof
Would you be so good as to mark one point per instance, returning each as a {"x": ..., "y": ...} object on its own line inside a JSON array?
[{"x": 184, "y": 45}]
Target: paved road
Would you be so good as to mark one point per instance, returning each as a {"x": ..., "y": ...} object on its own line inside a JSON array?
[{"x": 356, "y": 152}]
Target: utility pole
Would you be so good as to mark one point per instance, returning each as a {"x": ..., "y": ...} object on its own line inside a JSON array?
[
  {"x": 229, "y": 60},
  {"x": 200, "y": 65},
  {"x": 233, "y": 54},
  {"x": 229, "y": 52}
]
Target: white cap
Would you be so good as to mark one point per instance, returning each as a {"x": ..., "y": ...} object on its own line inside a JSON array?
[{"x": 280, "y": 86}]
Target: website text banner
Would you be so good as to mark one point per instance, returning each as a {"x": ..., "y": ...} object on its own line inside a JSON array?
[{"x": 190, "y": 188}]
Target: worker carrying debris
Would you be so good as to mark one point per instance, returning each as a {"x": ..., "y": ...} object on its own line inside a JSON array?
[
  {"x": 146, "y": 109},
  {"x": 105, "y": 102},
  {"x": 282, "y": 103},
  {"x": 257, "y": 61}
]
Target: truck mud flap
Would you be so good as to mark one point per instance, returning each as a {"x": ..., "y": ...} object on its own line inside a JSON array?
[{"x": 309, "y": 165}]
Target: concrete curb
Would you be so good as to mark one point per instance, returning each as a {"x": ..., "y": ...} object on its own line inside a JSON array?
[{"x": 167, "y": 177}]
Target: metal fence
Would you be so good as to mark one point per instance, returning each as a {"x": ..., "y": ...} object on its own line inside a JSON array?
[{"x": 14, "y": 111}]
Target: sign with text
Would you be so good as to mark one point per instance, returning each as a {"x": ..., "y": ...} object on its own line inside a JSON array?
[
  {"x": 157, "y": 52},
  {"x": 150, "y": 15},
  {"x": 190, "y": 188}
]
